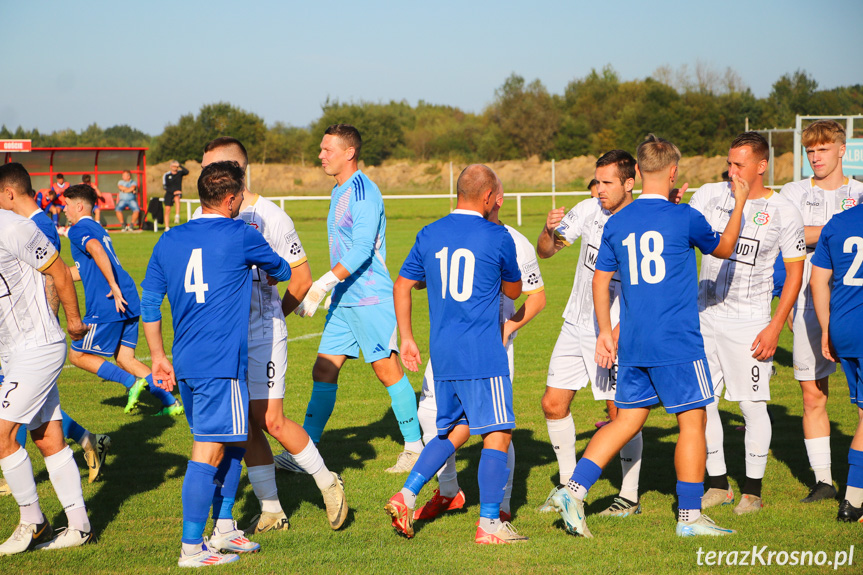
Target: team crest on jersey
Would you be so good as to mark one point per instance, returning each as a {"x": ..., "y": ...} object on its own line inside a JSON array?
[
  {"x": 761, "y": 218},
  {"x": 848, "y": 203},
  {"x": 254, "y": 225},
  {"x": 41, "y": 252}
]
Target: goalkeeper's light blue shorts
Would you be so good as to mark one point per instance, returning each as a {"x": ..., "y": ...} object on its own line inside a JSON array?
[{"x": 370, "y": 328}]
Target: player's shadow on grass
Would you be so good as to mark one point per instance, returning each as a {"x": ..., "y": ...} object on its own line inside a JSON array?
[
  {"x": 137, "y": 463},
  {"x": 788, "y": 448},
  {"x": 783, "y": 357}
]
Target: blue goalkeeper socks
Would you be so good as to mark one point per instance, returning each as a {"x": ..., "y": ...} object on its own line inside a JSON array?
[
  {"x": 71, "y": 429},
  {"x": 404, "y": 404},
  {"x": 198, "y": 490},
  {"x": 320, "y": 409},
  {"x": 111, "y": 372}
]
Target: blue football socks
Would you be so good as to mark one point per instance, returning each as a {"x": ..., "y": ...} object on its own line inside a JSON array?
[
  {"x": 71, "y": 429},
  {"x": 492, "y": 476},
  {"x": 855, "y": 468},
  {"x": 432, "y": 458},
  {"x": 404, "y": 404},
  {"x": 159, "y": 393},
  {"x": 111, "y": 372},
  {"x": 198, "y": 490},
  {"x": 320, "y": 409},
  {"x": 228, "y": 476}
]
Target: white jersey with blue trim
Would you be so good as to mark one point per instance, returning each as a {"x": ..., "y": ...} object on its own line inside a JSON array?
[
  {"x": 586, "y": 220},
  {"x": 26, "y": 319},
  {"x": 742, "y": 285},
  {"x": 356, "y": 232}
]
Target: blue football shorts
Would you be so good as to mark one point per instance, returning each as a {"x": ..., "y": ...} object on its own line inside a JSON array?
[
  {"x": 104, "y": 339},
  {"x": 217, "y": 408},
  {"x": 484, "y": 405},
  {"x": 680, "y": 387},
  {"x": 370, "y": 328},
  {"x": 853, "y": 368}
]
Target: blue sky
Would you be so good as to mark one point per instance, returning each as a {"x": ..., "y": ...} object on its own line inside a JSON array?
[{"x": 145, "y": 64}]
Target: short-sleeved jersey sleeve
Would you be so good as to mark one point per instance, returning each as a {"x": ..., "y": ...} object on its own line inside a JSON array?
[
  {"x": 288, "y": 244},
  {"x": 510, "y": 271},
  {"x": 25, "y": 241},
  {"x": 793, "y": 193},
  {"x": 531, "y": 277},
  {"x": 792, "y": 242},
  {"x": 258, "y": 252},
  {"x": 606, "y": 259},
  {"x": 571, "y": 226},
  {"x": 154, "y": 280},
  {"x": 701, "y": 235},
  {"x": 412, "y": 268},
  {"x": 821, "y": 257}
]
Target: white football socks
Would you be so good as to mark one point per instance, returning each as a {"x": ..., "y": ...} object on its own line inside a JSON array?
[
  {"x": 818, "y": 450},
  {"x": 630, "y": 465},
  {"x": 854, "y": 495},
  {"x": 311, "y": 461},
  {"x": 18, "y": 472},
  {"x": 757, "y": 438},
  {"x": 66, "y": 480},
  {"x": 561, "y": 432},
  {"x": 715, "y": 437},
  {"x": 263, "y": 480}
]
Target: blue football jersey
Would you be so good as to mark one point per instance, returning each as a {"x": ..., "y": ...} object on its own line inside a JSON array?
[
  {"x": 650, "y": 242},
  {"x": 357, "y": 234},
  {"x": 463, "y": 258},
  {"x": 47, "y": 227},
  {"x": 203, "y": 266},
  {"x": 840, "y": 248},
  {"x": 101, "y": 309}
]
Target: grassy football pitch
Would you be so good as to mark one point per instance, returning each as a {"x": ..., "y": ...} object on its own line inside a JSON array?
[{"x": 136, "y": 509}]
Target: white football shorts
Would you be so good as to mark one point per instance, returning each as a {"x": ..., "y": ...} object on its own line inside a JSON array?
[
  {"x": 727, "y": 343},
  {"x": 29, "y": 393},
  {"x": 268, "y": 364},
  {"x": 809, "y": 363},
  {"x": 572, "y": 364}
]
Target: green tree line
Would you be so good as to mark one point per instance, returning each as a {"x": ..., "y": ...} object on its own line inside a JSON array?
[{"x": 701, "y": 110}]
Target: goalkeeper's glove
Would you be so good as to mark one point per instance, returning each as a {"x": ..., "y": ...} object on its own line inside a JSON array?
[{"x": 316, "y": 294}]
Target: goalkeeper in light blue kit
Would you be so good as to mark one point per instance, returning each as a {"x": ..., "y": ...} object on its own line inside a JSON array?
[
  {"x": 203, "y": 267},
  {"x": 361, "y": 316}
]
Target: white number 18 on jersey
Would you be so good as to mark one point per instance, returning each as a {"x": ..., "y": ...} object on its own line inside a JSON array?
[{"x": 194, "y": 282}]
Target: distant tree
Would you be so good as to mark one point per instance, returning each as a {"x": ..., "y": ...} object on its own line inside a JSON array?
[
  {"x": 380, "y": 125},
  {"x": 185, "y": 140},
  {"x": 792, "y": 94},
  {"x": 286, "y": 144},
  {"x": 526, "y": 115}
]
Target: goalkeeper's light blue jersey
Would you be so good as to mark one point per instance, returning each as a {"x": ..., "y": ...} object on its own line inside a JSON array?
[
  {"x": 203, "y": 266},
  {"x": 463, "y": 258},
  {"x": 356, "y": 229}
]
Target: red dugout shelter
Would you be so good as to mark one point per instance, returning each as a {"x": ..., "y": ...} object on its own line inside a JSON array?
[{"x": 105, "y": 166}]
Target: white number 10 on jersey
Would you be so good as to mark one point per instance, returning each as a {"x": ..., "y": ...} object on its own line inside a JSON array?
[
  {"x": 651, "y": 245},
  {"x": 194, "y": 281},
  {"x": 452, "y": 269}
]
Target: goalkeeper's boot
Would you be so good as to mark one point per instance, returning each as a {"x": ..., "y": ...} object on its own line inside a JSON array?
[{"x": 405, "y": 462}]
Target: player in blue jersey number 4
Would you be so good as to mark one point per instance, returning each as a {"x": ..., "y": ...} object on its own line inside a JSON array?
[
  {"x": 203, "y": 267},
  {"x": 650, "y": 242}
]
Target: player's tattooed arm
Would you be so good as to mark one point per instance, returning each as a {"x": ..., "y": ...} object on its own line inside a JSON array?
[
  {"x": 548, "y": 243},
  {"x": 65, "y": 288},
  {"x": 409, "y": 350},
  {"x": 820, "y": 284},
  {"x": 51, "y": 294}
]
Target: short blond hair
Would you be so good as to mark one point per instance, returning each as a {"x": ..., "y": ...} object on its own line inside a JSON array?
[
  {"x": 655, "y": 154},
  {"x": 823, "y": 132}
]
